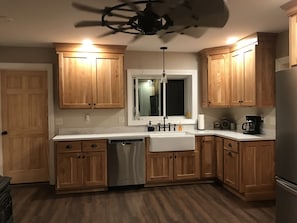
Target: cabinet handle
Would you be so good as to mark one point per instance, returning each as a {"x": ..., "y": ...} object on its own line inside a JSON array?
[
  {"x": 4, "y": 133},
  {"x": 94, "y": 145},
  {"x": 174, "y": 157},
  {"x": 230, "y": 153},
  {"x": 68, "y": 146}
]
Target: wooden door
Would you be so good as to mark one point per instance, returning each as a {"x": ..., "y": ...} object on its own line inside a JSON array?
[
  {"x": 219, "y": 158},
  {"x": 208, "y": 157},
  {"x": 75, "y": 80},
  {"x": 249, "y": 82},
  {"x": 159, "y": 167},
  {"x": 24, "y": 118},
  {"x": 109, "y": 91},
  {"x": 231, "y": 169},
  {"x": 186, "y": 165},
  {"x": 218, "y": 79},
  {"x": 69, "y": 170},
  {"x": 95, "y": 169}
]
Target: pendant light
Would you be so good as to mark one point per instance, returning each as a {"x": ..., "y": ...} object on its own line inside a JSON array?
[{"x": 164, "y": 77}]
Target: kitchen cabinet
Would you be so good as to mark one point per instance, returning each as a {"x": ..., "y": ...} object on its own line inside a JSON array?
[
  {"x": 81, "y": 165},
  {"x": 291, "y": 8},
  {"x": 249, "y": 169},
  {"x": 90, "y": 79},
  {"x": 214, "y": 71},
  {"x": 257, "y": 167},
  {"x": 219, "y": 158},
  {"x": 169, "y": 167},
  {"x": 231, "y": 163},
  {"x": 208, "y": 157},
  {"x": 172, "y": 166},
  {"x": 252, "y": 71}
]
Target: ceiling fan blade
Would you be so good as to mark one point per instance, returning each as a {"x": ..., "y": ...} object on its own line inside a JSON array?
[
  {"x": 136, "y": 37},
  {"x": 167, "y": 35},
  {"x": 195, "y": 32},
  {"x": 98, "y": 23},
  {"x": 87, "y": 8},
  {"x": 87, "y": 23},
  {"x": 164, "y": 6}
]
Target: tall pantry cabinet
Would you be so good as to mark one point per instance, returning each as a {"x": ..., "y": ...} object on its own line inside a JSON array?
[{"x": 90, "y": 79}]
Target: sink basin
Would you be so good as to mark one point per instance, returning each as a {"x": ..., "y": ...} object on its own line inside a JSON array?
[{"x": 171, "y": 141}]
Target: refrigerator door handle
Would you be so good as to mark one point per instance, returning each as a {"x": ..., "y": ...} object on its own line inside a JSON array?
[{"x": 291, "y": 188}]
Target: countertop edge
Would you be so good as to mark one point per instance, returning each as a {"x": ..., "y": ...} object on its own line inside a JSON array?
[{"x": 136, "y": 135}]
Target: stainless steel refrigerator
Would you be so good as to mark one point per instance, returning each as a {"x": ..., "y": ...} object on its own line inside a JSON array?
[{"x": 286, "y": 146}]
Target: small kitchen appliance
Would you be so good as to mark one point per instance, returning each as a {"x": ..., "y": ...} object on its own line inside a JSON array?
[{"x": 252, "y": 125}]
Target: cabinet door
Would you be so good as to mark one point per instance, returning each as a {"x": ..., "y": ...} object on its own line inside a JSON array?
[
  {"x": 208, "y": 157},
  {"x": 236, "y": 77},
  {"x": 69, "y": 170},
  {"x": 159, "y": 167},
  {"x": 75, "y": 80},
  {"x": 219, "y": 158},
  {"x": 257, "y": 166},
  {"x": 95, "y": 169},
  {"x": 218, "y": 79},
  {"x": 109, "y": 91},
  {"x": 249, "y": 74},
  {"x": 186, "y": 165},
  {"x": 231, "y": 169},
  {"x": 243, "y": 77}
]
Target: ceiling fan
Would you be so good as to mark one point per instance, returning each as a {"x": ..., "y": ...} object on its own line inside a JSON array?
[{"x": 165, "y": 18}]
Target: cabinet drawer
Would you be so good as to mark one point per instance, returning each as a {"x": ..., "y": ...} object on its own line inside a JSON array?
[
  {"x": 231, "y": 145},
  {"x": 64, "y": 147},
  {"x": 94, "y": 145}
]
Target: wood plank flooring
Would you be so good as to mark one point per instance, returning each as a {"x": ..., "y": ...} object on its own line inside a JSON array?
[{"x": 195, "y": 203}]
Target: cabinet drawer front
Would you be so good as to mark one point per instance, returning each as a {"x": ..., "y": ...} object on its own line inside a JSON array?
[
  {"x": 231, "y": 145},
  {"x": 94, "y": 145},
  {"x": 64, "y": 147}
]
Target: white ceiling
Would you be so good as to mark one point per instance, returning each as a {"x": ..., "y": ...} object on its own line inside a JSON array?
[{"x": 43, "y": 22}]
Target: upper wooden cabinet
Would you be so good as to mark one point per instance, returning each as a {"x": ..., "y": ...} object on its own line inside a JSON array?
[
  {"x": 214, "y": 71},
  {"x": 252, "y": 71},
  {"x": 90, "y": 79},
  {"x": 291, "y": 9},
  {"x": 239, "y": 75}
]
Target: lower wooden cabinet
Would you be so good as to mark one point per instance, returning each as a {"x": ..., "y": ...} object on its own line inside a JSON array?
[
  {"x": 81, "y": 165},
  {"x": 219, "y": 158},
  {"x": 172, "y": 166},
  {"x": 249, "y": 169},
  {"x": 208, "y": 157},
  {"x": 231, "y": 164}
]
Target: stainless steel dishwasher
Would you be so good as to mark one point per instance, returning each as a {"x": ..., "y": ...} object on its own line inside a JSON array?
[{"x": 126, "y": 162}]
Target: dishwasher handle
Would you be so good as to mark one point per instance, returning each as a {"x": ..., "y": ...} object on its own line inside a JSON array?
[{"x": 124, "y": 141}]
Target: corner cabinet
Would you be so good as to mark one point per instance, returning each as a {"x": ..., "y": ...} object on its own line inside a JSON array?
[
  {"x": 249, "y": 169},
  {"x": 90, "y": 79},
  {"x": 81, "y": 165},
  {"x": 252, "y": 71}
]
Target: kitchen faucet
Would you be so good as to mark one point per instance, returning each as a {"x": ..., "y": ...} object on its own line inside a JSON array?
[{"x": 164, "y": 126}]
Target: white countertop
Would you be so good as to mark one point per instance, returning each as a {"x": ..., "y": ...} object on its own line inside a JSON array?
[{"x": 136, "y": 135}]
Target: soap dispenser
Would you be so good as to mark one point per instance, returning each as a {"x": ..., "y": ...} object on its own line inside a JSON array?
[{"x": 150, "y": 128}]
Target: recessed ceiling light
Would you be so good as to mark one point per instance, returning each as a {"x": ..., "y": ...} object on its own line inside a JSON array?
[{"x": 232, "y": 40}]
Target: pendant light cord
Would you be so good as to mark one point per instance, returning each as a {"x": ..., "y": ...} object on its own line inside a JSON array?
[{"x": 164, "y": 79}]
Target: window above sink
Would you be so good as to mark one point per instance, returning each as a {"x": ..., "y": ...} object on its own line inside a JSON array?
[{"x": 149, "y": 99}]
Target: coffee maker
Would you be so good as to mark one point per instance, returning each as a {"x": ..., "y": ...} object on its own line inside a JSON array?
[{"x": 252, "y": 125}]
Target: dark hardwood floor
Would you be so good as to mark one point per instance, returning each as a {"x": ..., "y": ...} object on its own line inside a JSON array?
[{"x": 196, "y": 203}]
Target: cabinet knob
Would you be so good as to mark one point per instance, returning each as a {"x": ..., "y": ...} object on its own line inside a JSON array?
[
  {"x": 68, "y": 146},
  {"x": 230, "y": 153},
  {"x": 94, "y": 145},
  {"x": 4, "y": 133},
  {"x": 230, "y": 145}
]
